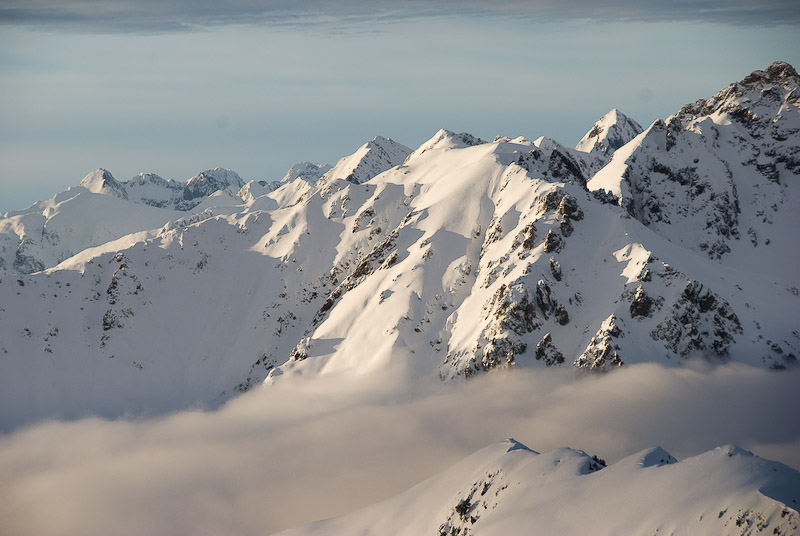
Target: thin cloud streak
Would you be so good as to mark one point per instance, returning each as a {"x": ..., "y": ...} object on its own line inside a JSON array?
[
  {"x": 290, "y": 454},
  {"x": 154, "y": 17}
]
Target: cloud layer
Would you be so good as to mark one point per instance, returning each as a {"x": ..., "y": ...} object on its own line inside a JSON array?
[
  {"x": 152, "y": 16},
  {"x": 283, "y": 456}
]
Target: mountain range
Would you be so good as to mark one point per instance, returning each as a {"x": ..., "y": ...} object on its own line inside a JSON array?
[{"x": 670, "y": 243}]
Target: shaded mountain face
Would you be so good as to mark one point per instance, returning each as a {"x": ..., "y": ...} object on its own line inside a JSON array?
[
  {"x": 451, "y": 260},
  {"x": 507, "y": 488}
]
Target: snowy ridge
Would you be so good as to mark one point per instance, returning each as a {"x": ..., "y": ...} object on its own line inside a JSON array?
[
  {"x": 507, "y": 488},
  {"x": 609, "y": 133},
  {"x": 455, "y": 259}
]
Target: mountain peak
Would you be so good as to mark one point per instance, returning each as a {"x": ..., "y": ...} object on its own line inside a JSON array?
[
  {"x": 101, "y": 181},
  {"x": 609, "y": 133},
  {"x": 369, "y": 160},
  {"x": 513, "y": 444},
  {"x": 733, "y": 450},
  {"x": 207, "y": 182},
  {"x": 220, "y": 176},
  {"x": 760, "y": 92},
  {"x": 97, "y": 178},
  {"x": 447, "y": 139},
  {"x": 381, "y": 141},
  {"x": 778, "y": 72}
]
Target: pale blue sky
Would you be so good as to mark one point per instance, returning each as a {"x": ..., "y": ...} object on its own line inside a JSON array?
[{"x": 257, "y": 93}]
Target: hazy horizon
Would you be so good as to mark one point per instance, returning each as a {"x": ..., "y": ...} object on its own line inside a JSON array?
[{"x": 159, "y": 88}]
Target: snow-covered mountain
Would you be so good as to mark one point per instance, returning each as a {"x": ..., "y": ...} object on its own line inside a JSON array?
[
  {"x": 447, "y": 261},
  {"x": 372, "y": 158},
  {"x": 101, "y": 210},
  {"x": 609, "y": 133},
  {"x": 150, "y": 189},
  {"x": 720, "y": 176},
  {"x": 507, "y": 488}
]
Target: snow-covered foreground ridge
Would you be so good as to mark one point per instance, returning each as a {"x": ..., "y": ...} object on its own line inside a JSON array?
[
  {"x": 507, "y": 488},
  {"x": 446, "y": 261}
]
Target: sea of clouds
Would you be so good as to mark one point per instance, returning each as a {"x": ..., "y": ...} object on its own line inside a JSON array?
[{"x": 298, "y": 451}]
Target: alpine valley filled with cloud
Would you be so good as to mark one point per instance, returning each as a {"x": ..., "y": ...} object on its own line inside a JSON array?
[{"x": 360, "y": 341}]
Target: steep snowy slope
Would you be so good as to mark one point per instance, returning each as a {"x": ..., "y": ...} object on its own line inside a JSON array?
[
  {"x": 463, "y": 257},
  {"x": 609, "y": 133},
  {"x": 509, "y": 489}
]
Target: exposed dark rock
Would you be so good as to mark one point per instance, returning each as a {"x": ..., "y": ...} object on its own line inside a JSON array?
[
  {"x": 602, "y": 352},
  {"x": 363, "y": 217},
  {"x": 555, "y": 269},
  {"x": 568, "y": 206},
  {"x": 23, "y": 262},
  {"x": 561, "y": 315},
  {"x": 700, "y": 322},
  {"x": 300, "y": 351},
  {"x": 606, "y": 197},
  {"x": 553, "y": 242},
  {"x": 547, "y": 202},
  {"x": 525, "y": 238},
  {"x": 501, "y": 352},
  {"x": 544, "y": 298},
  {"x": 547, "y": 352},
  {"x": 566, "y": 227},
  {"x": 381, "y": 256},
  {"x": 563, "y": 167},
  {"x": 642, "y": 304},
  {"x": 110, "y": 320},
  {"x": 514, "y": 310}
]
